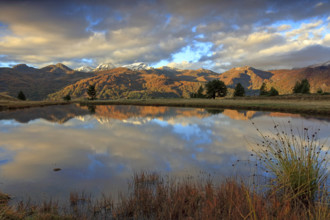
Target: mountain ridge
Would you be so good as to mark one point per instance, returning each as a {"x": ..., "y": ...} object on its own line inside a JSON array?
[{"x": 56, "y": 81}]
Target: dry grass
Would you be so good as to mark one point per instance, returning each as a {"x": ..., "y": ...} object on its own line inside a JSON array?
[
  {"x": 152, "y": 196},
  {"x": 297, "y": 104},
  {"x": 305, "y": 104},
  {"x": 7, "y": 105}
]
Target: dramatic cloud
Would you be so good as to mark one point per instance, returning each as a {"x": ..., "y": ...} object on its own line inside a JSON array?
[{"x": 212, "y": 34}]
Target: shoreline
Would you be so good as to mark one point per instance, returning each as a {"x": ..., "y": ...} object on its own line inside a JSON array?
[{"x": 310, "y": 105}]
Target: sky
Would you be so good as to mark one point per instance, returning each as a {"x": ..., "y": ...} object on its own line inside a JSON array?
[{"x": 187, "y": 34}]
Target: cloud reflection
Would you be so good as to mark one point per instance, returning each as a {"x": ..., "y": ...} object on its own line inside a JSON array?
[{"x": 99, "y": 152}]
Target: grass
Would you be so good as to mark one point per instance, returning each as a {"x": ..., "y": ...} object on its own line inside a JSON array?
[
  {"x": 305, "y": 104},
  {"x": 291, "y": 104},
  {"x": 294, "y": 163},
  {"x": 297, "y": 162},
  {"x": 8, "y": 105}
]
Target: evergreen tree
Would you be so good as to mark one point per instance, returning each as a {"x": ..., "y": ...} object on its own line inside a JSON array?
[
  {"x": 199, "y": 93},
  {"x": 67, "y": 97},
  {"x": 239, "y": 90},
  {"x": 91, "y": 92},
  {"x": 21, "y": 96},
  {"x": 305, "y": 86},
  {"x": 273, "y": 92},
  {"x": 263, "y": 90},
  {"x": 302, "y": 87},
  {"x": 216, "y": 88}
]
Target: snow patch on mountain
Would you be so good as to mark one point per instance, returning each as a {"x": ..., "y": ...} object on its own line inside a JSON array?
[
  {"x": 138, "y": 66},
  {"x": 85, "y": 69},
  {"x": 104, "y": 66},
  {"x": 320, "y": 64}
]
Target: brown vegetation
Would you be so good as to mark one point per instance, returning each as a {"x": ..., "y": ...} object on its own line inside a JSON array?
[{"x": 151, "y": 196}]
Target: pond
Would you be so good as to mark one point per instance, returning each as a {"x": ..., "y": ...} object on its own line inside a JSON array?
[{"x": 48, "y": 152}]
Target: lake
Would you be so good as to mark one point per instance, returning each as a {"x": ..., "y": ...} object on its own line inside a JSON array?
[{"x": 48, "y": 152}]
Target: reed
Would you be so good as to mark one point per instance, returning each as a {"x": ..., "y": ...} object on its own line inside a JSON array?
[{"x": 295, "y": 161}]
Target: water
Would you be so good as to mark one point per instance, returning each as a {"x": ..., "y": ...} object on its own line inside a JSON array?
[{"x": 99, "y": 149}]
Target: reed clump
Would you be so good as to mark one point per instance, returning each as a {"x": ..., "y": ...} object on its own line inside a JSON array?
[{"x": 296, "y": 163}]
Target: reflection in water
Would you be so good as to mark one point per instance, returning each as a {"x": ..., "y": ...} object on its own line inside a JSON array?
[{"x": 99, "y": 152}]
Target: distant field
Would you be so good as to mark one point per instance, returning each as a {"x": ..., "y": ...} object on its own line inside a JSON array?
[{"x": 307, "y": 104}]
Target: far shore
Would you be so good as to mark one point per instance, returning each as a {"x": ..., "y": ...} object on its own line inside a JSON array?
[{"x": 304, "y": 104}]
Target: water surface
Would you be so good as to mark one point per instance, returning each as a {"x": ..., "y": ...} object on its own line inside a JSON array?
[{"x": 99, "y": 148}]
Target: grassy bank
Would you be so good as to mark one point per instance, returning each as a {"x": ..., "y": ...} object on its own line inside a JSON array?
[
  {"x": 8, "y": 105},
  {"x": 308, "y": 104},
  {"x": 316, "y": 105}
]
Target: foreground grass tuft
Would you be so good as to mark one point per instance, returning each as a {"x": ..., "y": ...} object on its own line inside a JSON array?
[{"x": 296, "y": 162}]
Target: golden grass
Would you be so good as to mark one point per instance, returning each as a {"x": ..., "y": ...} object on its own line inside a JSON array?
[
  {"x": 305, "y": 105},
  {"x": 7, "y": 105}
]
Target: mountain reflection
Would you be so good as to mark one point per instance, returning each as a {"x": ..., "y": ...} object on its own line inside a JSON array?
[
  {"x": 62, "y": 113},
  {"x": 99, "y": 152}
]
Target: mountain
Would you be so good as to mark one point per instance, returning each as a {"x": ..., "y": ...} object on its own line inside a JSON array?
[
  {"x": 35, "y": 83},
  {"x": 85, "y": 69},
  {"x": 320, "y": 65},
  {"x": 138, "y": 80},
  {"x": 137, "y": 66},
  {"x": 125, "y": 83},
  {"x": 282, "y": 80},
  {"x": 104, "y": 66},
  {"x": 59, "y": 68},
  {"x": 250, "y": 78}
]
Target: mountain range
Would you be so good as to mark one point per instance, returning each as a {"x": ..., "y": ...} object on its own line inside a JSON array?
[{"x": 138, "y": 80}]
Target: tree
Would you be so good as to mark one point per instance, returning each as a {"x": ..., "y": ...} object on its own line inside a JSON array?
[
  {"x": 91, "y": 92},
  {"x": 302, "y": 87},
  {"x": 273, "y": 92},
  {"x": 199, "y": 93},
  {"x": 215, "y": 88},
  {"x": 67, "y": 97},
  {"x": 239, "y": 90},
  {"x": 21, "y": 96},
  {"x": 263, "y": 90}
]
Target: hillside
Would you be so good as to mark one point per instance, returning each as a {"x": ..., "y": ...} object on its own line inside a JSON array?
[
  {"x": 5, "y": 97},
  {"x": 282, "y": 80},
  {"x": 167, "y": 82},
  {"x": 125, "y": 83},
  {"x": 56, "y": 81},
  {"x": 37, "y": 83}
]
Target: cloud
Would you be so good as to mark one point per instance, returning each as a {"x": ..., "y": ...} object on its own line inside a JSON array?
[{"x": 122, "y": 32}]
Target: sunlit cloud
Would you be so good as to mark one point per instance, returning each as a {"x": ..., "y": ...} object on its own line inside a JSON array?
[{"x": 211, "y": 34}]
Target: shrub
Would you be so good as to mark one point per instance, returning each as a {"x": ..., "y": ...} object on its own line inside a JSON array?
[
  {"x": 297, "y": 164},
  {"x": 319, "y": 91}
]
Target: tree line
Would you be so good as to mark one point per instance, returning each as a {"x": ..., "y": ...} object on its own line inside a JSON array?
[
  {"x": 217, "y": 88},
  {"x": 214, "y": 88}
]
